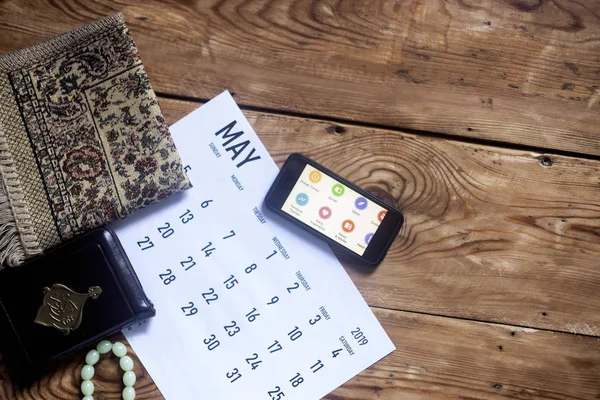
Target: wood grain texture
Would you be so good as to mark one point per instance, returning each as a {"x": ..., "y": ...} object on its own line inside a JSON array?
[
  {"x": 522, "y": 71},
  {"x": 64, "y": 382},
  {"x": 443, "y": 358},
  {"x": 436, "y": 358},
  {"x": 491, "y": 234}
]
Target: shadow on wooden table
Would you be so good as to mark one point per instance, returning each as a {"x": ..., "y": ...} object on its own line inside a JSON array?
[{"x": 354, "y": 266}]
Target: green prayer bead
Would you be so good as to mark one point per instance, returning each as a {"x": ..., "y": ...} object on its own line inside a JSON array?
[
  {"x": 126, "y": 363},
  {"x": 92, "y": 357},
  {"x": 87, "y": 372},
  {"x": 104, "y": 347},
  {"x": 87, "y": 388},
  {"x": 119, "y": 349},
  {"x": 128, "y": 393},
  {"x": 129, "y": 378}
]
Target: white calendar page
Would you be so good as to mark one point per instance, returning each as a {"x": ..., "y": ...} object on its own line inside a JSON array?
[{"x": 248, "y": 306}]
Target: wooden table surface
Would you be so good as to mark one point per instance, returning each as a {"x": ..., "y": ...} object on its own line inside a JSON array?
[{"x": 479, "y": 119}]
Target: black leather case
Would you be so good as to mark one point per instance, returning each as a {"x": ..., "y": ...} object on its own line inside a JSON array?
[{"x": 36, "y": 291}]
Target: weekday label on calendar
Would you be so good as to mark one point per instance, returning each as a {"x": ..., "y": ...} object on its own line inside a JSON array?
[{"x": 247, "y": 304}]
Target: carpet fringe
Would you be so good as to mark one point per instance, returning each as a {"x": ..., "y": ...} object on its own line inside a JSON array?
[{"x": 18, "y": 240}]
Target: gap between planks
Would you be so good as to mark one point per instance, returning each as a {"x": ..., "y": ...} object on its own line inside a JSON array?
[
  {"x": 450, "y": 317},
  {"x": 426, "y": 134}
]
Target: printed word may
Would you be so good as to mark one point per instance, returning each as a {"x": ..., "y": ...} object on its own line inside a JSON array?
[{"x": 235, "y": 146}]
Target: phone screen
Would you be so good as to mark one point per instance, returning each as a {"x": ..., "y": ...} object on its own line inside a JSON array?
[{"x": 334, "y": 209}]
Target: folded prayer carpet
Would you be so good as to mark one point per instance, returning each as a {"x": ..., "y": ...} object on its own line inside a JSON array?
[{"x": 82, "y": 139}]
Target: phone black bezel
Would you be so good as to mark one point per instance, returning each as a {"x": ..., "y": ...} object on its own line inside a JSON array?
[{"x": 287, "y": 178}]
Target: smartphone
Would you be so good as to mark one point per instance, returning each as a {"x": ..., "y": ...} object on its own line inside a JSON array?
[{"x": 334, "y": 209}]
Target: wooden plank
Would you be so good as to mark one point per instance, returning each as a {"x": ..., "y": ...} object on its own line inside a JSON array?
[
  {"x": 436, "y": 358},
  {"x": 492, "y": 234},
  {"x": 522, "y": 71},
  {"x": 64, "y": 382},
  {"x": 443, "y": 358}
]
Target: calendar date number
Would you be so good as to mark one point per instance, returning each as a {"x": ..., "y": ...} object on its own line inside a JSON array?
[
  {"x": 252, "y": 315},
  {"x": 210, "y": 296},
  {"x": 276, "y": 394},
  {"x": 187, "y": 264},
  {"x": 253, "y": 361},
  {"x": 211, "y": 342},
  {"x": 145, "y": 244},
  {"x": 296, "y": 380},
  {"x": 189, "y": 310},
  {"x": 232, "y": 329},
  {"x": 186, "y": 217},
  {"x": 233, "y": 375},
  {"x": 167, "y": 277},
  {"x": 230, "y": 282},
  {"x": 166, "y": 230}
]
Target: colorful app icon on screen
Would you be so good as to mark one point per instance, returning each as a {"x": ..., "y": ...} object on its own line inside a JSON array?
[
  {"x": 381, "y": 215},
  {"x": 368, "y": 238},
  {"x": 348, "y": 226},
  {"x": 360, "y": 203},
  {"x": 325, "y": 212},
  {"x": 337, "y": 189},
  {"x": 302, "y": 199},
  {"x": 314, "y": 176}
]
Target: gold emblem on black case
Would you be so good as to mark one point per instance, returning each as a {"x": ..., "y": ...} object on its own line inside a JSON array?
[{"x": 62, "y": 307}]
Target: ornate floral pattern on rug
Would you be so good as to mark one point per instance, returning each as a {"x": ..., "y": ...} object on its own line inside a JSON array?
[{"x": 99, "y": 140}]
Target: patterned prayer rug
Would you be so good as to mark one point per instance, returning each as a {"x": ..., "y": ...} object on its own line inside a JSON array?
[{"x": 82, "y": 139}]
